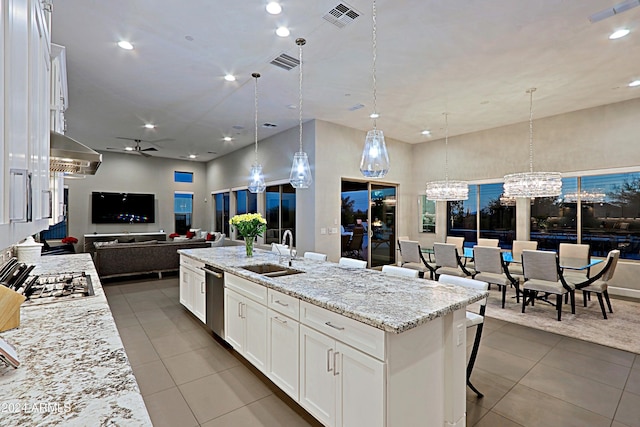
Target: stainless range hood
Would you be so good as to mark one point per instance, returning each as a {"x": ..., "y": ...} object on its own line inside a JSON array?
[{"x": 69, "y": 156}]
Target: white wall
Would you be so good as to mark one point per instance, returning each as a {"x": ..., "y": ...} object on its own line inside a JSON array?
[{"x": 136, "y": 174}]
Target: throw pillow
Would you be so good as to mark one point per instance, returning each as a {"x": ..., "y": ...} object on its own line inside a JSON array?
[
  {"x": 190, "y": 234},
  {"x": 173, "y": 235},
  {"x": 209, "y": 237},
  {"x": 109, "y": 243}
]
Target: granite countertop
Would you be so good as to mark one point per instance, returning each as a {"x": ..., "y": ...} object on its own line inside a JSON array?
[
  {"x": 393, "y": 304},
  {"x": 74, "y": 370}
]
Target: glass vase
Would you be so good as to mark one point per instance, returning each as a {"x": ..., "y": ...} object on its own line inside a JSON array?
[{"x": 248, "y": 246}]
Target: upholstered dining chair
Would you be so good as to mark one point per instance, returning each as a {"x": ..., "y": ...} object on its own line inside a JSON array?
[
  {"x": 412, "y": 258},
  {"x": 392, "y": 270},
  {"x": 483, "y": 241},
  {"x": 542, "y": 274},
  {"x": 352, "y": 263},
  {"x": 600, "y": 282},
  {"x": 571, "y": 252},
  {"x": 316, "y": 256},
  {"x": 458, "y": 241},
  {"x": 491, "y": 268},
  {"x": 473, "y": 319},
  {"x": 355, "y": 245},
  {"x": 448, "y": 261},
  {"x": 518, "y": 246}
]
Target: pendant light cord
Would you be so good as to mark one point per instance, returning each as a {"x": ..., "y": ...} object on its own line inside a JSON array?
[
  {"x": 375, "y": 46},
  {"x": 300, "y": 43},
  {"x": 530, "y": 92},
  {"x": 446, "y": 147},
  {"x": 255, "y": 104}
]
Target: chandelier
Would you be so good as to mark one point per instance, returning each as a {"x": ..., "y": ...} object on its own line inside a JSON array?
[
  {"x": 256, "y": 178},
  {"x": 300, "y": 176},
  {"x": 532, "y": 184},
  {"x": 375, "y": 158},
  {"x": 447, "y": 190},
  {"x": 585, "y": 197}
]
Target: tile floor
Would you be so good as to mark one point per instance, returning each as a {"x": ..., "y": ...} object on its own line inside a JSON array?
[{"x": 529, "y": 377}]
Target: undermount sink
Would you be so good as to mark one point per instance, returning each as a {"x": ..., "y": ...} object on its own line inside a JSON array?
[{"x": 271, "y": 270}]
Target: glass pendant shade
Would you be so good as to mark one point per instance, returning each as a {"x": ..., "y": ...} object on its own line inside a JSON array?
[
  {"x": 300, "y": 176},
  {"x": 595, "y": 196},
  {"x": 256, "y": 183},
  {"x": 533, "y": 184},
  {"x": 446, "y": 191},
  {"x": 375, "y": 158}
]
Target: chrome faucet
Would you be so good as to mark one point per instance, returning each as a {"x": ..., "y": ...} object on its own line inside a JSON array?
[{"x": 284, "y": 242}]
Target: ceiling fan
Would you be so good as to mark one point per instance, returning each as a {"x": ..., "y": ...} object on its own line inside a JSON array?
[{"x": 137, "y": 149}]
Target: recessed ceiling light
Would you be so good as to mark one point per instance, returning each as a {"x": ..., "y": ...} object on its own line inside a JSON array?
[
  {"x": 192, "y": 156},
  {"x": 618, "y": 34},
  {"x": 374, "y": 115},
  {"x": 128, "y": 148},
  {"x": 274, "y": 8},
  {"x": 283, "y": 32},
  {"x": 150, "y": 126},
  {"x": 230, "y": 78},
  {"x": 292, "y": 106},
  {"x": 426, "y": 132},
  {"x": 227, "y": 138},
  {"x": 634, "y": 83},
  {"x": 125, "y": 45}
]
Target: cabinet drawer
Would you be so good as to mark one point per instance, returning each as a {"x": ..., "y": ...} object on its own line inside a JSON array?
[
  {"x": 254, "y": 291},
  {"x": 363, "y": 337},
  {"x": 185, "y": 260},
  {"x": 283, "y": 303}
]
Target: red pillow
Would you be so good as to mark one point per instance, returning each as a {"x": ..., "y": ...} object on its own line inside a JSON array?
[
  {"x": 172, "y": 235},
  {"x": 190, "y": 234},
  {"x": 209, "y": 237}
]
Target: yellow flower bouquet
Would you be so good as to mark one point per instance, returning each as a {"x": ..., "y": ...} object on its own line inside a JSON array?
[{"x": 249, "y": 226}]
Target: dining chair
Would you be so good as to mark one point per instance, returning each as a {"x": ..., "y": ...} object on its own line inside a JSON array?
[
  {"x": 316, "y": 256},
  {"x": 448, "y": 261},
  {"x": 491, "y": 268},
  {"x": 575, "y": 253},
  {"x": 398, "y": 252},
  {"x": 483, "y": 241},
  {"x": 543, "y": 274},
  {"x": 518, "y": 246},
  {"x": 458, "y": 241},
  {"x": 600, "y": 282},
  {"x": 412, "y": 258},
  {"x": 392, "y": 270},
  {"x": 352, "y": 263},
  {"x": 473, "y": 319}
]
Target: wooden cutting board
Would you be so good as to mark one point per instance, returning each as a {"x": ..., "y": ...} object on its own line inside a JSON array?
[{"x": 9, "y": 308}]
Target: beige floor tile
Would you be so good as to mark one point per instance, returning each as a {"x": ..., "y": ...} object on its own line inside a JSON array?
[
  {"x": 475, "y": 412},
  {"x": 530, "y": 334},
  {"x": 141, "y": 352},
  {"x": 503, "y": 364},
  {"x": 110, "y": 290},
  {"x": 517, "y": 346},
  {"x": 491, "y": 419},
  {"x": 181, "y": 342},
  {"x": 267, "y": 412},
  {"x": 160, "y": 328},
  {"x": 532, "y": 408},
  {"x": 168, "y": 408},
  {"x": 629, "y": 410},
  {"x": 578, "y": 390},
  {"x": 218, "y": 394},
  {"x": 493, "y": 387},
  {"x": 132, "y": 334},
  {"x": 199, "y": 363},
  {"x": 633, "y": 382},
  {"x": 153, "y": 377},
  {"x": 595, "y": 369},
  {"x": 596, "y": 351},
  {"x": 125, "y": 320},
  {"x": 618, "y": 424}
]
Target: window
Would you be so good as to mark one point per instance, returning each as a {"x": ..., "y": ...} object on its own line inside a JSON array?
[
  {"x": 497, "y": 217},
  {"x": 462, "y": 217},
  {"x": 183, "y": 212},
  {"x": 554, "y": 219},
  {"x": 246, "y": 202},
  {"x": 221, "y": 201},
  {"x": 427, "y": 212},
  {"x": 280, "y": 212},
  {"x": 182, "y": 176}
]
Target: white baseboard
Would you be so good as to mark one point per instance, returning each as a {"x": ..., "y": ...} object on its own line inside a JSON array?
[{"x": 624, "y": 292}]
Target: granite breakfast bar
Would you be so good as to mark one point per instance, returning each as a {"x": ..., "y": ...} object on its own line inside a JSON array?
[
  {"x": 74, "y": 370},
  {"x": 351, "y": 346}
]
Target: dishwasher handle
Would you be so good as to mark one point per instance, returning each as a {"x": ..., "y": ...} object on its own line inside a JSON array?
[{"x": 216, "y": 274}]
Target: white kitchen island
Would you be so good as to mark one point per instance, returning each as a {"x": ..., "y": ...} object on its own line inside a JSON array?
[{"x": 353, "y": 347}]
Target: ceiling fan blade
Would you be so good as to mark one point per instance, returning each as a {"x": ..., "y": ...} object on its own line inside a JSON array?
[
  {"x": 129, "y": 139},
  {"x": 158, "y": 140},
  {"x": 144, "y": 154},
  {"x": 148, "y": 149}
]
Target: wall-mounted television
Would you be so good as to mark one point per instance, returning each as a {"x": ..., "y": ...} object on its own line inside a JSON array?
[{"x": 122, "y": 208}]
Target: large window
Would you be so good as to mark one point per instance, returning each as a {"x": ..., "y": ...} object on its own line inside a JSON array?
[
  {"x": 554, "y": 220},
  {"x": 182, "y": 211},
  {"x": 221, "y": 201},
  {"x": 497, "y": 215},
  {"x": 280, "y": 211},
  {"x": 246, "y": 202},
  {"x": 462, "y": 217}
]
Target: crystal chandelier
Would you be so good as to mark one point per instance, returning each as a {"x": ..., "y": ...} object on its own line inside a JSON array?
[
  {"x": 594, "y": 196},
  {"x": 532, "y": 184},
  {"x": 300, "y": 176},
  {"x": 447, "y": 190},
  {"x": 256, "y": 178},
  {"x": 375, "y": 158}
]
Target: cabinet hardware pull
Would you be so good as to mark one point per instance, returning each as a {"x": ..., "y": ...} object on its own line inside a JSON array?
[
  {"x": 335, "y": 363},
  {"x": 202, "y": 287},
  {"x": 243, "y": 310},
  {"x": 281, "y": 303},
  {"x": 240, "y": 310},
  {"x": 276, "y": 318},
  {"x": 340, "y": 328},
  {"x": 329, "y": 357}
]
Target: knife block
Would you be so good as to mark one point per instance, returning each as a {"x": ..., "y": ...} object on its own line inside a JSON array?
[{"x": 10, "y": 302}]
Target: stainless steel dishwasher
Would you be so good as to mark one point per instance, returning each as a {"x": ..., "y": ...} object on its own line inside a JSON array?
[{"x": 215, "y": 299}]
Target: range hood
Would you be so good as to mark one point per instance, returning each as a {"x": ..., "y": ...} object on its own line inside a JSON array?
[{"x": 69, "y": 156}]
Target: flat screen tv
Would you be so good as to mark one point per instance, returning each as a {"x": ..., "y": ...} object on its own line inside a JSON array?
[{"x": 122, "y": 208}]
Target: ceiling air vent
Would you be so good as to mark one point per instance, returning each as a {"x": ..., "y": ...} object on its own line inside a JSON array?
[
  {"x": 269, "y": 125},
  {"x": 285, "y": 61},
  {"x": 341, "y": 15}
]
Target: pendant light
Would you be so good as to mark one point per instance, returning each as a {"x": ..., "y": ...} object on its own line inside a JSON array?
[
  {"x": 256, "y": 178},
  {"x": 375, "y": 158},
  {"x": 532, "y": 184},
  {"x": 447, "y": 190},
  {"x": 300, "y": 176}
]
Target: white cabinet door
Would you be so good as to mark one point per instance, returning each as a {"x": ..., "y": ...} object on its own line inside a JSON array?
[
  {"x": 234, "y": 323},
  {"x": 317, "y": 376},
  {"x": 360, "y": 388},
  {"x": 185, "y": 287},
  {"x": 282, "y": 352},
  {"x": 255, "y": 333},
  {"x": 199, "y": 289}
]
